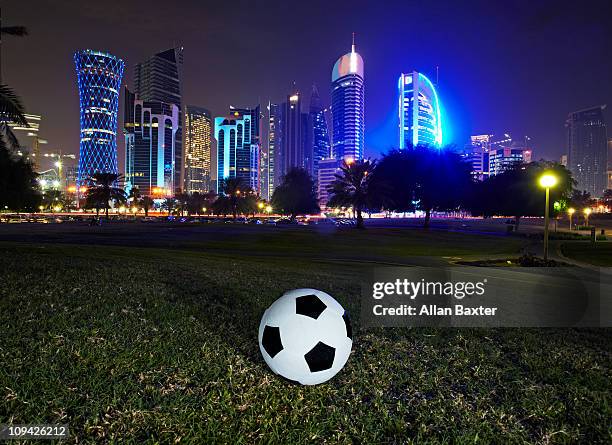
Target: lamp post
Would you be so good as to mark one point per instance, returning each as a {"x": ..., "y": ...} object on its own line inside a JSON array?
[
  {"x": 570, "y": 213},
  {"x": 547, "y": 181},
  {"x": 587, "y": 212}
]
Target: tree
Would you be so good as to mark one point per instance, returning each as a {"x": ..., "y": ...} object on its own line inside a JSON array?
[
  {"x": 18, "y": 186},
  {"x": 352, "y": 187},
  {"x": 296, "y": 194},
  {"x": 235, "y": 191},
  {"x": 103, "y": 190},
  {"x": 423, "y": 178},
  {"x": 146, "y": 202},
  {"x": 516, "y": 192},
  {"x": 197, "y": 202},
  {"x": 169, "y": 204},
  {"x": 182, "y": 202}
]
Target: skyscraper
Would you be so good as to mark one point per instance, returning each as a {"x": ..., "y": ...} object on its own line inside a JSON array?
[
  {"x": 150, "y": 144},
  {"x": 29, "y": 140},
  {"x": 271, "y": 158},
  {"x": 587, "y": 149},
  {"x": 158, "y": 79},
  {"x": 419, "y": 112},
  {"x": 238, "y": 146},
  {"x": 293, "y": 127},
  {"x": 321, "y": 148},
  {"x": 198, "y": 149},
  {"x": 99, "y": 79},
  {"x": 347, "y": 92},
  {"x": 504, "y": 158}
]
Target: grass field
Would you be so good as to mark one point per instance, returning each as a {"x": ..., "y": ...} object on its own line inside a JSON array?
[
  {"x": 157, "y": 345},
  {"x": 599, "y": 255}
]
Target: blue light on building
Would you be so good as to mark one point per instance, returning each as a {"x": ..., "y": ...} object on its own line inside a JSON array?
[
  {"x": 419, "y": 112},
  {"x": 99, "y": 78}
]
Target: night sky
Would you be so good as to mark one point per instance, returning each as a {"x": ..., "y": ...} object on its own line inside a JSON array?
[{"x": 517, "y": 66}]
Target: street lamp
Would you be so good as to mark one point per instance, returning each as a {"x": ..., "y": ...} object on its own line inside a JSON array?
[
  {"x": 547, "y": 181},
  {"x": 587, "y": 212},
  {"x": 570, "y": 212}
]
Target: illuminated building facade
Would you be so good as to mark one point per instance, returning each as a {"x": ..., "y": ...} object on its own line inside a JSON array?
[
  {"x": 347, "y": 94},
  {"x": 326, "y": 174},
  {"x": 419, "y": 112},
  {"x": 99, "y": 78},
  {"x": 294, "y": 130},
  {"x": 587, "y": 149},
  {"x": 29, "y": 141},
  {"x": 198, "y": 149},
  {"x": 271, "y": 155},
  {"x": 238, "y": 146},
  {"x": 317, "y": 127},
  {"x": 150, "y": 146},
  {"x": 505, "y": 158},
  {"x": 158, "y": 79}
]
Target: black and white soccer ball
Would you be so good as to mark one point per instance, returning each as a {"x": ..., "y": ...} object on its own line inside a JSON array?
[{"x": 305, "y": 336}]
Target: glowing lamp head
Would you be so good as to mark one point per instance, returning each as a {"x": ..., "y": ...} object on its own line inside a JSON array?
[
  {"x": 571, "y": 210},
  {"x": 260, "y": 205},
  {"x": 547, "y": 180},
  {"x": 269, "y": 209},
  {"x": 587, "y": 211}
]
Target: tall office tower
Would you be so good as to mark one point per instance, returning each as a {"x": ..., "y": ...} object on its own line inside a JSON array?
[
  {"x": 99, "y": 79},
  {"x": 238, "y": 146},
  {"x": 273, "y": 158},
  {"x": 293, "y": 127},
  {"x": 587, "y": 149},
  {"x": 504, "y": 158},
  {"x": 477, "y": 155},
  {"x": 610, "y": 164},
  {"x": 418, "y": 111},
  {"x": 29, "y": 140},
  {"x": 319, "y": 134},
  {"x": 198, "y": 149},
  {"x": 347, "y": 93},
  {"x": 158, "y": 79},
  {"x": 150, "y": 129}
]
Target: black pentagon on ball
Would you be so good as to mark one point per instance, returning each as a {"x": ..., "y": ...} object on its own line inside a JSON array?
[
  {"x": 347, "y": 324},
  {"x": 320, "y": 358},
  {"x": 309, "y": 305},
  {"x": 271, "y": 340}
]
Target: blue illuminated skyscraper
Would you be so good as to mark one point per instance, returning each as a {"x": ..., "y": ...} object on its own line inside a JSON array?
[
  {"x": 99, "y": 78},
  {"x": 238, "y": 146},
  {"x": 419, "y": 112},
  {"x": 319, "y": 133},
  {"x": 348, "y": 106}
]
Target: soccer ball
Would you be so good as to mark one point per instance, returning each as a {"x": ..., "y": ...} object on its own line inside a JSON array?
[{"x": 305, "y": 336}]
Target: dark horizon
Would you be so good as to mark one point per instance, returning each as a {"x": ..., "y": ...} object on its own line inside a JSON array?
[{"x": 517, "y": 67}]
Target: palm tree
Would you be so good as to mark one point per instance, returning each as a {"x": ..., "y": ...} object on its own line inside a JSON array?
[
  {"x": 147, "y": 203},
  {"x": 104, "y": 190},
  {"x": 352, "y": 187},
  {"x": 169, "y": 204}
]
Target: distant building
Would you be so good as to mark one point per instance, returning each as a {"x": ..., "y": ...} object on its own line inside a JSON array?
[
  {"x": 610, "y": 164},
  {"x": 319, "y": 134},
  {"x": 150, "y": 129},
  {"x": 271, "y": 154},
  {"x": 99, "y": 79},
  {"x": 29, "y": 140},
  {"x": 504, "y": 158},
  {"x": 294, "y": 129},
  {"x": 477, "y": 155},
  {"x": 587, "y": 141},
  {"x": 238, "y": 146},
  {"x": 347, "y": 94},
  {"x": 158, "y": 79},
  {"x": 198, "y": 149},
  {"x": 326, "y": 175},
  {"x": 420, "y": 122},
  {"x": 563, "y": 160}
]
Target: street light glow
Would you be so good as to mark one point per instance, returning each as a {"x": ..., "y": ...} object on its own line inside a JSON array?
[
  {"x": 587, "y": 211},
  {"x": 548, "y": 180},
  {"x": 571, "y": 210}
]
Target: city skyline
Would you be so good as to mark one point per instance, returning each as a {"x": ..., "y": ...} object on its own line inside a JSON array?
[{"x": 490, "y": 110}]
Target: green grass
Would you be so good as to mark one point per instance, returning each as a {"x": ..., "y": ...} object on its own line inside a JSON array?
[
  {"x": 599, "y": 254},
  {"x": 151, "y": 345}
]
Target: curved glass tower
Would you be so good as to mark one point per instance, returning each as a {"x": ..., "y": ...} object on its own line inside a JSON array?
[
  {"x": 419, "y": 124},
  {"x": 348, "y": 107},
  {"x": 99, "y": 78}
]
